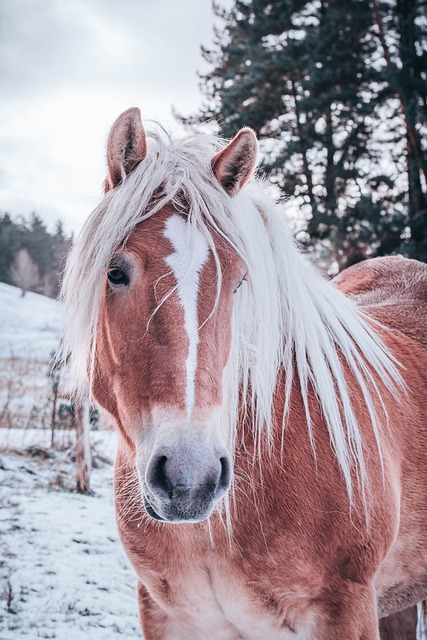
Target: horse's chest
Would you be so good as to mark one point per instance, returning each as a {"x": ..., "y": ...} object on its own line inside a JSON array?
[{"x": 209, "y": 602}]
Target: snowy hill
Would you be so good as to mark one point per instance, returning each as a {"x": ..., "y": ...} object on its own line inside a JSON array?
[
  {"x": 29, "y": 325},
  {"x": 63, "y": 571},
  {"x": 29, "y": 333}
]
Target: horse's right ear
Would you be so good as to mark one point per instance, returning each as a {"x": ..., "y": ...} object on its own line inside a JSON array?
[{"x": 126, "y": 146}]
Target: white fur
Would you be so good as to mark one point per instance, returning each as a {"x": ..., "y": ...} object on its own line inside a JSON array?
[
  {"x": 215, "y": 600},
  {"x": 285, "y": 314},
  {"x": 191, "y": 253}
]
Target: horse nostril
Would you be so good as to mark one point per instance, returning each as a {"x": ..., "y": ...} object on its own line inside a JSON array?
[
  {"x": 158, "y": 476},
  {"x": 225, "y": 477}
]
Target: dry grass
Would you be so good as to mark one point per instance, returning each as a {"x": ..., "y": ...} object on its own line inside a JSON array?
[{"x": 26, "y": 397}]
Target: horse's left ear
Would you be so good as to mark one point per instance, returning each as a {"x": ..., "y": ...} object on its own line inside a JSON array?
[
  {"x": 234, "y": 165},
  {"x": 126, "y": 146}
]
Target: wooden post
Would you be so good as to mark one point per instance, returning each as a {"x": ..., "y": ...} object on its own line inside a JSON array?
[
  {"x": 83, "y": 454},
  {"x": 53, "y": 416}
]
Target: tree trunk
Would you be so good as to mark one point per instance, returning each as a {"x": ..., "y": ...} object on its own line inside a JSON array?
[
  {"x": 303, "y": 148},
  {"x": 417, "y": 171},
  {"x": 53, "y": 416},
  {"x": 402, "y": 82},
  {"x": 331, "y": 202}
]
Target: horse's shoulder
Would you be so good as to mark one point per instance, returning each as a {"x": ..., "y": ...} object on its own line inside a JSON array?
[{"x": 382, "y": 280}]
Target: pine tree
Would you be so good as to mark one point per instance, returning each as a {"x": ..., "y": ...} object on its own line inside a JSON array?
[
  {"x": 401, "y": 29},
  {"x": 39, "y": 245},
  {"x": 60, "y": 247},
  {"x": 333, "y": 113},
  {"x": 47, "y": 252},
  {"x": 10, "y": 243}
]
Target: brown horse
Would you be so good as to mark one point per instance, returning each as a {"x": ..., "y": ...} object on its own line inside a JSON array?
[{"x": 271, "y": 471}]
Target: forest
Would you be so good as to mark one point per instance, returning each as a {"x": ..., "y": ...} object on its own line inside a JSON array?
[
  {"x": 337, "y": 93},
  {"x": 31, "y": 257}
]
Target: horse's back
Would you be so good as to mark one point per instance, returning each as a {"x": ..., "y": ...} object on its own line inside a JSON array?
[{"x": 393, "y": 290}]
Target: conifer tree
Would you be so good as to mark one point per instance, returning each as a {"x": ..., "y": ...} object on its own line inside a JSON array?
[
  {"x": 340, "y": 123},
  {"x": 401, "y": 28},
  {"x": 39, "y": 244},
  {"x": 31, "y": 238}
]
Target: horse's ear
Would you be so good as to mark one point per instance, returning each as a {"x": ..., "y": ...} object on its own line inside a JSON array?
[
  {"x": 234, "y": 165},
  {"x": 126, "y": 146}
]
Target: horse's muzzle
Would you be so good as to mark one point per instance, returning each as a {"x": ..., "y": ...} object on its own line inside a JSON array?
[{"x": 184, "y": 487}]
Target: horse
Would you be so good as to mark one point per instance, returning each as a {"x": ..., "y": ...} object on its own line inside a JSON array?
[{"x": 271, "y": 470}]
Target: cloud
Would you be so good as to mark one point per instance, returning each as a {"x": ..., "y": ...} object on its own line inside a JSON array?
[
  {"x": 43, "y": 45},
  {"x": 67, "y": 69},
  {"x": 47, "y": 44}
]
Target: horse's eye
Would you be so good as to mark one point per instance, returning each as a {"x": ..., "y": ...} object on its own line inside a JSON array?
[{"x": 118, "y": 276}]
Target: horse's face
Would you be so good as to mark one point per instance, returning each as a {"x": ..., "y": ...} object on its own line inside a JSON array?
[{"x": 163, "y": 342}]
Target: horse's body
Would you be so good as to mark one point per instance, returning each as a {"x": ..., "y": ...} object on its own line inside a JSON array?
[
  {"x": 322, "y": 536},
  {"x": 296, "y": 558}
]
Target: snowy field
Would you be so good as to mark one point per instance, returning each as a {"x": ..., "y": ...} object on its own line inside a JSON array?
[
  {"x": 29, "y": 325},
  {"x": 63, "y": 573},
  {"x": 29, "y": 334}
]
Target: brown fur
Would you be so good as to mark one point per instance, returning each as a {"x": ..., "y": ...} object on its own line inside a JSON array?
[
  {"x": 300, "y": 562},
  {"x": 297, "y": 552},
  {"x": 234, "y": 165},
  {"x": 126, "y": 146}
]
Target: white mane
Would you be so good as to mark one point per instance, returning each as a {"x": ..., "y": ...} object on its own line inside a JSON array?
[{"x": 286, "y": 317}]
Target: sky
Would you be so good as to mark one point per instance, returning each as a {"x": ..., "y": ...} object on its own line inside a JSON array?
[{"x": 68, "y": 68}]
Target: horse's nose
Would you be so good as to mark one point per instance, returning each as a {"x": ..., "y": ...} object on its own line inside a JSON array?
[
  {"x": 184, "y": 485},
  {"x": 167, "y": 476}
]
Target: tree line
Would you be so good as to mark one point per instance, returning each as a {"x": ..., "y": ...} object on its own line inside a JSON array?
[
  {"x": 31, "y": 257},
  {"x": 337, "y": 92}
]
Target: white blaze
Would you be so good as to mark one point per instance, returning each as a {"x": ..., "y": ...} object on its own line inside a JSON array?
[{"x": 191, "y": 253}]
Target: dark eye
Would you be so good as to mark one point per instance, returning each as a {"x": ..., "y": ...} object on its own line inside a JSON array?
[{"x": 118, "y": 276}]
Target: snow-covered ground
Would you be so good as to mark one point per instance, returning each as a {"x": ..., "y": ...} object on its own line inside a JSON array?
[
  {"x": 29, "y": 325},
  {"x": 29, "y": 333},
  {"x": 63, "y": 573}
]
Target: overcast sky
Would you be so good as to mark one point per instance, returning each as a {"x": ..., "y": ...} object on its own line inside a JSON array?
[{"x": 67, "y": 69}]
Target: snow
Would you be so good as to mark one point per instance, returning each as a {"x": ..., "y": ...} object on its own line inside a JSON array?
[
  {"x": 29, "y": 325},
  {"x": 63, "y": 572},
  {"x": 29, "y": 333}
]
